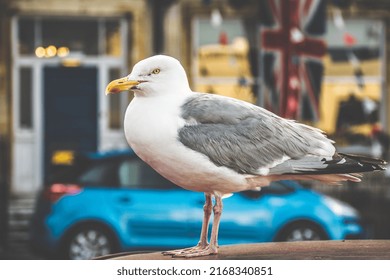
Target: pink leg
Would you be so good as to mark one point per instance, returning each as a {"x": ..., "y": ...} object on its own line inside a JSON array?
[
  {"x": 203, "y": 234},
  {"x": 206, "y": 220},
  {"x": 218, "y": 207},
  {"x": 212, "y": 248}
]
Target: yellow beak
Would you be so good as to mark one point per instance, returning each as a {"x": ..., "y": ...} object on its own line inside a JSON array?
[{"x": 120, "y": 85}]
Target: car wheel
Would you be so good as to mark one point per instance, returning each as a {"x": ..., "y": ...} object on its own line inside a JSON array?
[
  {"x": 88, "y": 242},
  {"x": 302, "y": 231}
]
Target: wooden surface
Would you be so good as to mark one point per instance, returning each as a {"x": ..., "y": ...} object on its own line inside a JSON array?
[{"x": 313, "y": 250}]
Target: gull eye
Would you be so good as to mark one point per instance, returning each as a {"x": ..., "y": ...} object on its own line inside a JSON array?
[{"x": 156, "y": 71}]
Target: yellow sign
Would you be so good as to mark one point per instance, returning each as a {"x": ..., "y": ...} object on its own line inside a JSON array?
[{"x": 64, "y": 157}]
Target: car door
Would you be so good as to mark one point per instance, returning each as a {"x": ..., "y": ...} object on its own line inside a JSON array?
[
  {"x": 241, "y": 219},
  {"x": 153, "y": 211},
  {"x": 253, "y": 216},
  {"x": 244, "y": 219}
]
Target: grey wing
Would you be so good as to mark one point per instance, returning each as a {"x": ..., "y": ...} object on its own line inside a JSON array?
[{"x": 244, "y": 137}]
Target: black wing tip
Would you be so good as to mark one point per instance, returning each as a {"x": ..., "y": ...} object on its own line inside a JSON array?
[
  {"x": 366, "y": 164},
  {"x": 364, "y": 159},
  {"x": 348, "y": 164},
  {"x": 380, "y": 167}
]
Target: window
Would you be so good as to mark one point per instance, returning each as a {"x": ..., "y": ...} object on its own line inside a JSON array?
[
  {"x": 26, "y": 36},
  {"x": 134, "y": 173},
  {"x": 101, "y": 174},
  {"x": 80, "y": 36},
  {"x": 129, "y": 173},
  {"x": 115, "y": 115},
  {"x": 276, "y": 188},
  {"x": 25, "y": 98},
  {"x": 49, "y": 37},
  {"x": 113, "y": 38}
]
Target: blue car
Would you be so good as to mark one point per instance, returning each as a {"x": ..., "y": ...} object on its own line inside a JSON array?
[{"x": 111, "y": 202}]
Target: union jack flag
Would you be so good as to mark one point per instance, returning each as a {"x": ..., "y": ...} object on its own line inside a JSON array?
[{"x": 291, "y": 52}]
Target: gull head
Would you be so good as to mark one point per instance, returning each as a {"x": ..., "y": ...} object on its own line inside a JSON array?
[{"x": 156, "y": 75}]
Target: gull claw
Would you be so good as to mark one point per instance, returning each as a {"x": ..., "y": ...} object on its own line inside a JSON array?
[{"x": 196, "y": 251}]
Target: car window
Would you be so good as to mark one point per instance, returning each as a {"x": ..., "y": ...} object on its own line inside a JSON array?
[
  {"x": 278, "y": 187},
  {"x": 129, "y": 173},
  {"x": 275, "y": 188},
  {"x": 134, "y": 173},
  {"x": 69, "y": 174},
  {"x": 100, "y": 174}
]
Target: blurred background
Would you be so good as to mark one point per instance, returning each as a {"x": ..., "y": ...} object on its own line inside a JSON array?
[{"x": 322, "y": 62}]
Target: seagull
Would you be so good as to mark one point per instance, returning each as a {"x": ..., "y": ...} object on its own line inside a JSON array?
[{"x": 219, "y": 145}]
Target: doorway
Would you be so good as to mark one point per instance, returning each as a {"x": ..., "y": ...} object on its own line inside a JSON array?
[{"x": 70, "y": 112}]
